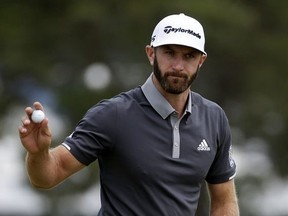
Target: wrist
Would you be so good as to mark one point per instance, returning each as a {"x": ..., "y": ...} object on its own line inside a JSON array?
[{"x": 37, "y": 157}]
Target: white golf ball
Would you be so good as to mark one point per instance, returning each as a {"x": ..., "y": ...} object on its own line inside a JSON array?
[{"x": 37, "y": 116}]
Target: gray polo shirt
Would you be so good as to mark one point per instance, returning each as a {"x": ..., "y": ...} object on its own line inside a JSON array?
[{"x": 151, "y": 162}]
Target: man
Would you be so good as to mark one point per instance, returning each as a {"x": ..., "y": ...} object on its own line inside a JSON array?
[{"x": 155, "y": 144}]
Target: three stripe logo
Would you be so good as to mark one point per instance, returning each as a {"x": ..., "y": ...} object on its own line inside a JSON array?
[{"x": 203, "y": 146}]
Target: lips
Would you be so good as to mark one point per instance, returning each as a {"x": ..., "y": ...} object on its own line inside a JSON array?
[{"x": 176, "y": 75}]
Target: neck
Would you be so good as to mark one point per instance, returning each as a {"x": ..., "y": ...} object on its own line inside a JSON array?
[{"x": 177, "y": 101}]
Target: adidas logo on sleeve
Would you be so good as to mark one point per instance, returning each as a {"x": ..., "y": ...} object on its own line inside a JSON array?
[{"x": 203, "y": 146}]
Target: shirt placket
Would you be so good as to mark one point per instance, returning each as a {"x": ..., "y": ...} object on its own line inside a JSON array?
[{"x": 175, "y": 122}]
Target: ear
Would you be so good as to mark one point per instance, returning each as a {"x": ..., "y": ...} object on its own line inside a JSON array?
[
  {"x": 150, "y": 54},
  {"x": 202, "y": 60}
]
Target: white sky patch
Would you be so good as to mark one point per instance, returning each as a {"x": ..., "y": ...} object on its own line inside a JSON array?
[
  {"x": 252, "y": 159},
  {"x": 97, "y": 76},
  {"x": 273, "y": 199},
  {"x": 14, "y": 198},
  {"x": 86, "y": 203}
]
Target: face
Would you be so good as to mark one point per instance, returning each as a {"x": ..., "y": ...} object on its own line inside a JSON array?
[{"x": 175, "y": 67}]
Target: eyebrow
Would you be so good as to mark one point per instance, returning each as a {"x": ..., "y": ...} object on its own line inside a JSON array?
[{"x": 189, "y": 49}]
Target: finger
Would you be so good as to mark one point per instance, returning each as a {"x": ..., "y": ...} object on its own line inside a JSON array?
[
  {"x": 38, "y": 106},
  {"x": 25, "y": 121},
  {"x": 45, "y": 127},
  {"x": 28, "y": 111},
  {"x": 25, "y": 125},
  {"x": 22, "y": 130},
  {"x": 44, "y": 123}
]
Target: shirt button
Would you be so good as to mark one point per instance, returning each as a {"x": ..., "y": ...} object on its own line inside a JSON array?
[{"x": 176, "y": 144}]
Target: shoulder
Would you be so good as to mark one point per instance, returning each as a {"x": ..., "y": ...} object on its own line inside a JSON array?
[
  {"x": 206, "y": 108},
  {"x": 133, "y": 95},
  {"x": 200, "y": 101},
  {"x": 120, "y": 101}
]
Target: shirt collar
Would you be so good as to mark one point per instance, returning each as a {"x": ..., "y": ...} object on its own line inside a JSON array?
[{"x": 158, "y": 102}]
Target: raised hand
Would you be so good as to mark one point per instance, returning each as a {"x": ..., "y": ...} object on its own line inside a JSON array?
[{"x": 35, "y": 137}]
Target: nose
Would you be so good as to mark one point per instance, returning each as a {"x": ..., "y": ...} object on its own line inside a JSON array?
[{"x": 178, "y": 64}]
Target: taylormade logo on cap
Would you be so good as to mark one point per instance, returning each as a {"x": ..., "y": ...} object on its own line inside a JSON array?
[
  {"x": 179, "y": 29},
  {"x": 169, "y": 29}
]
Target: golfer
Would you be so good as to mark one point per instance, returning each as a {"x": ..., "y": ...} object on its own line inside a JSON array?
[{"x": 156, "y": 144}]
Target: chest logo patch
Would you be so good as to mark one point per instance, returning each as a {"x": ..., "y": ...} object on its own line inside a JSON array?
[{"x": 203, "y": 146}]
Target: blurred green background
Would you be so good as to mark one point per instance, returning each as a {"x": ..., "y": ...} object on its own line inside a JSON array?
[{"x": 71, "y": 54}]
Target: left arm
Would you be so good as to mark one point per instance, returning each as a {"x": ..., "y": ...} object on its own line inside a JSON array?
[{"x": 223, "y": 199}]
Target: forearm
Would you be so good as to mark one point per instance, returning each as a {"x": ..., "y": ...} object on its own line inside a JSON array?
[
  {"x": 46, "y": 168},
  {"x": 224, "y": 200},
  {"x": 227, "y": 209},
  {"x": 42, "y": 169}
]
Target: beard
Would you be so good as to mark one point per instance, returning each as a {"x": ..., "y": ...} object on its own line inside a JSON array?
[{"x": 174, "y": 82}]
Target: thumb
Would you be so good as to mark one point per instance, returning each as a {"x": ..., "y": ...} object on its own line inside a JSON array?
[{"x": 45, "y": 130}]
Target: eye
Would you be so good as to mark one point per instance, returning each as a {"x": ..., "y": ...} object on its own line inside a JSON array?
[
  {"x": 169, "y": 52},
  {"x": 190, "y": 55}
]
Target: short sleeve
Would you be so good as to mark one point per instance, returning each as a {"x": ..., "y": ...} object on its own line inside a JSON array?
[
  {"x": 94, "y": 134},
  {"x": 223, "y": 167}
]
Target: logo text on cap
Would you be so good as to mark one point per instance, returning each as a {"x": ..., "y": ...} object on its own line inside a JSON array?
[{"x": 169, "y": 29}]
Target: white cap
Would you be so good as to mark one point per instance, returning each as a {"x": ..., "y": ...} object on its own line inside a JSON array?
[{"x": 179, "y": 29}]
